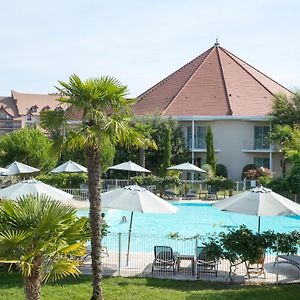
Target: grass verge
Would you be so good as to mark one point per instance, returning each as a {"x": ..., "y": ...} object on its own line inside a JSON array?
[{"x": 147, "y": 289}]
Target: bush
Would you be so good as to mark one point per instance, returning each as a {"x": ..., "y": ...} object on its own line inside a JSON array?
[
  {"x": 64, "y": 180},
  {"x": 292, "y": 180},
  {"x": 209, "y": 170},
  {"x": 263, "y": 175},
  {"x": 264, "y": 180},
  {"x": 242, "y": 244},
  {"x": 247, "y": 168},
  {"x": 220, "y": 183},
  {"x": 29, "y": 146},
  {"x": 161, "y": 183},
  {"x": 277, "y": 185},
  {"x": 221, "y": 170}
]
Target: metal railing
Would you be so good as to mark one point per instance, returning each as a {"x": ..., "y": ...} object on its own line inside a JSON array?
[
  {"x": 179, "y": 259},
  {"x": 186, "y": 185},
  {"x": 260, "y": 144}
]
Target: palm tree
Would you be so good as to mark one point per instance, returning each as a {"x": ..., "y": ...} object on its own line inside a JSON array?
[
  {"x": 41, "y": 236},
  {"x": 105, "y": 118}
]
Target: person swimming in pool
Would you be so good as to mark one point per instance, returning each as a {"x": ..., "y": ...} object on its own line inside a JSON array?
[{"x": 124, "y": 219}]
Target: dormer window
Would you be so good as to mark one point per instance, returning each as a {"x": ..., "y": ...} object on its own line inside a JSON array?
[
  {"x": 33, "y": 109},
  {"x": 4, "y": 115},
  {"x": 46, "y": 108}
]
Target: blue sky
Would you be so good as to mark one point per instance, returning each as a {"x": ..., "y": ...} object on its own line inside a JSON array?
[{"x": 141, "y": 42}]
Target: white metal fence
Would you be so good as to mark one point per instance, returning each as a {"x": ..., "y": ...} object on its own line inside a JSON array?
[
  {"x": 197, "y": 185},
  {"x": 164, "y": 257}
]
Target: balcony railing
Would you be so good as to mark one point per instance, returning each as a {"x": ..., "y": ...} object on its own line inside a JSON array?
[
  {"x": 198, "y": 144},
  {"x": 259, "y": 145},
  {"x": 9, "y": 124}
]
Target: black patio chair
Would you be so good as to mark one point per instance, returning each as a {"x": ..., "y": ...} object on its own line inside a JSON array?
[
  {"x": 205, "y": 264},
  {"x": 164, "y": 259}
]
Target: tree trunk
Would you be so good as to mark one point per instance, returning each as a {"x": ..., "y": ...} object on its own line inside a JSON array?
[
  {"x": 94, "y": 171},
  {"x": 32, "y": 285}
]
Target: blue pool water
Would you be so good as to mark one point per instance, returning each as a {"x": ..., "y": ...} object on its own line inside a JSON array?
[{"x": 192, "y": 219}]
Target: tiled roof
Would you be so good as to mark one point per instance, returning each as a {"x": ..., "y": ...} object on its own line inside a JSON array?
[
  {"x": 216, "y": 83},
  {"x": 8, "y": 104},
  {"x": 25, "y": 102}
]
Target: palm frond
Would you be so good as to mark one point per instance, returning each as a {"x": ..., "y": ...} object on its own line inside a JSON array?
[
  {"x": 38, "y": 228},
  {"x": 62, "y": 268}
]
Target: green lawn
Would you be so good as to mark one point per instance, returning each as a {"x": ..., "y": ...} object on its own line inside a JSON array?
[{"x": 147, "y": 289}]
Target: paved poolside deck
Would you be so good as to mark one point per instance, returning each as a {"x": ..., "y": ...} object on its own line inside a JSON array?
[{"x": 140, "y": 265}]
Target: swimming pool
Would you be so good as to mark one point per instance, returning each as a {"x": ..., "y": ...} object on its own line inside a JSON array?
[{"x": 192, "y": 219}]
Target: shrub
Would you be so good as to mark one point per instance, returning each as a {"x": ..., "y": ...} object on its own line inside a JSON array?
[
  {"x": 209, "y": 170},
  {"x": 221, "y": 170},
  {"x": 161, "y": 183},
  {"x": 64, "y": 180},
  {"x": 277, "y": 185},
  {"x": 263, "y": 174},
  {"x": 220, "y": 183},
  {"x": 247, "y": 168}
]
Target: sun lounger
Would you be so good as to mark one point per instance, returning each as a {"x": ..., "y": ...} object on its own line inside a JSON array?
[
  {"x": 104, "y": 252},
  {"x": 164, "y": 259},
  {"x": 191, "y": 194},
  {"x": 212, "y": 193},
  {"x": 169, "y": 194},
  {"x": 290, "y": 259},
  {"x": 205, "y": 264}
]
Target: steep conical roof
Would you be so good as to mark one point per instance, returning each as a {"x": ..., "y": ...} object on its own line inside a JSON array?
[{"x": 216, "y": 83}]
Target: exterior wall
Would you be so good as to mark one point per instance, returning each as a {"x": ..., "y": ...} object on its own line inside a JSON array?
[
  {"x": 26, "y": 122},
  {"x": 8, "y": 128},
  {"x": 234, "y": 144}
]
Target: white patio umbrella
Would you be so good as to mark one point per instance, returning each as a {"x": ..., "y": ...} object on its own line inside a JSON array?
[
  {"x": 2, "y": 170},
  {"x": 34, "y": 187},
  {"x": 130, "y": 167},
  {"x": 19, "y": 168},
  {"x": 136, "y": 199},
  {"x": 260, "y": 202},
  {"x": 187, "y": 167},
  {"x": 70, "y": 167}
]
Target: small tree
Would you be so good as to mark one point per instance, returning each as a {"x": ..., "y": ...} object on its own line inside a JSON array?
[
  {"x": 292, "y": 180},
  {"x": 288, "y": 140},
  {"x": 40, "y": 236},
  {"x": 27, "y": 145},
  {"x": 286, "y": 110},
  {"x": 154, "y": 150},
  {"x": 210, "y": 151}
]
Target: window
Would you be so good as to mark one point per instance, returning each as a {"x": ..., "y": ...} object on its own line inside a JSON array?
[
  {"x": 262, "y": 162},
  {"x": 261, "y": 134},
  {"x": 198, "y": 161},
  {"x": 8, "y": 124},
  {"x": 33, "y": 109},
  {"x": 5, "y": 116},
  {"x": 199, "y": 137},
  {"x": 28, "y": 117}
]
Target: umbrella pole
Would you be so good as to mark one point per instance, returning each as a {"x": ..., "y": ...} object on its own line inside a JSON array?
[
  {"x": 129, "y": 237},
  {"x": 258, "y": 230}
]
